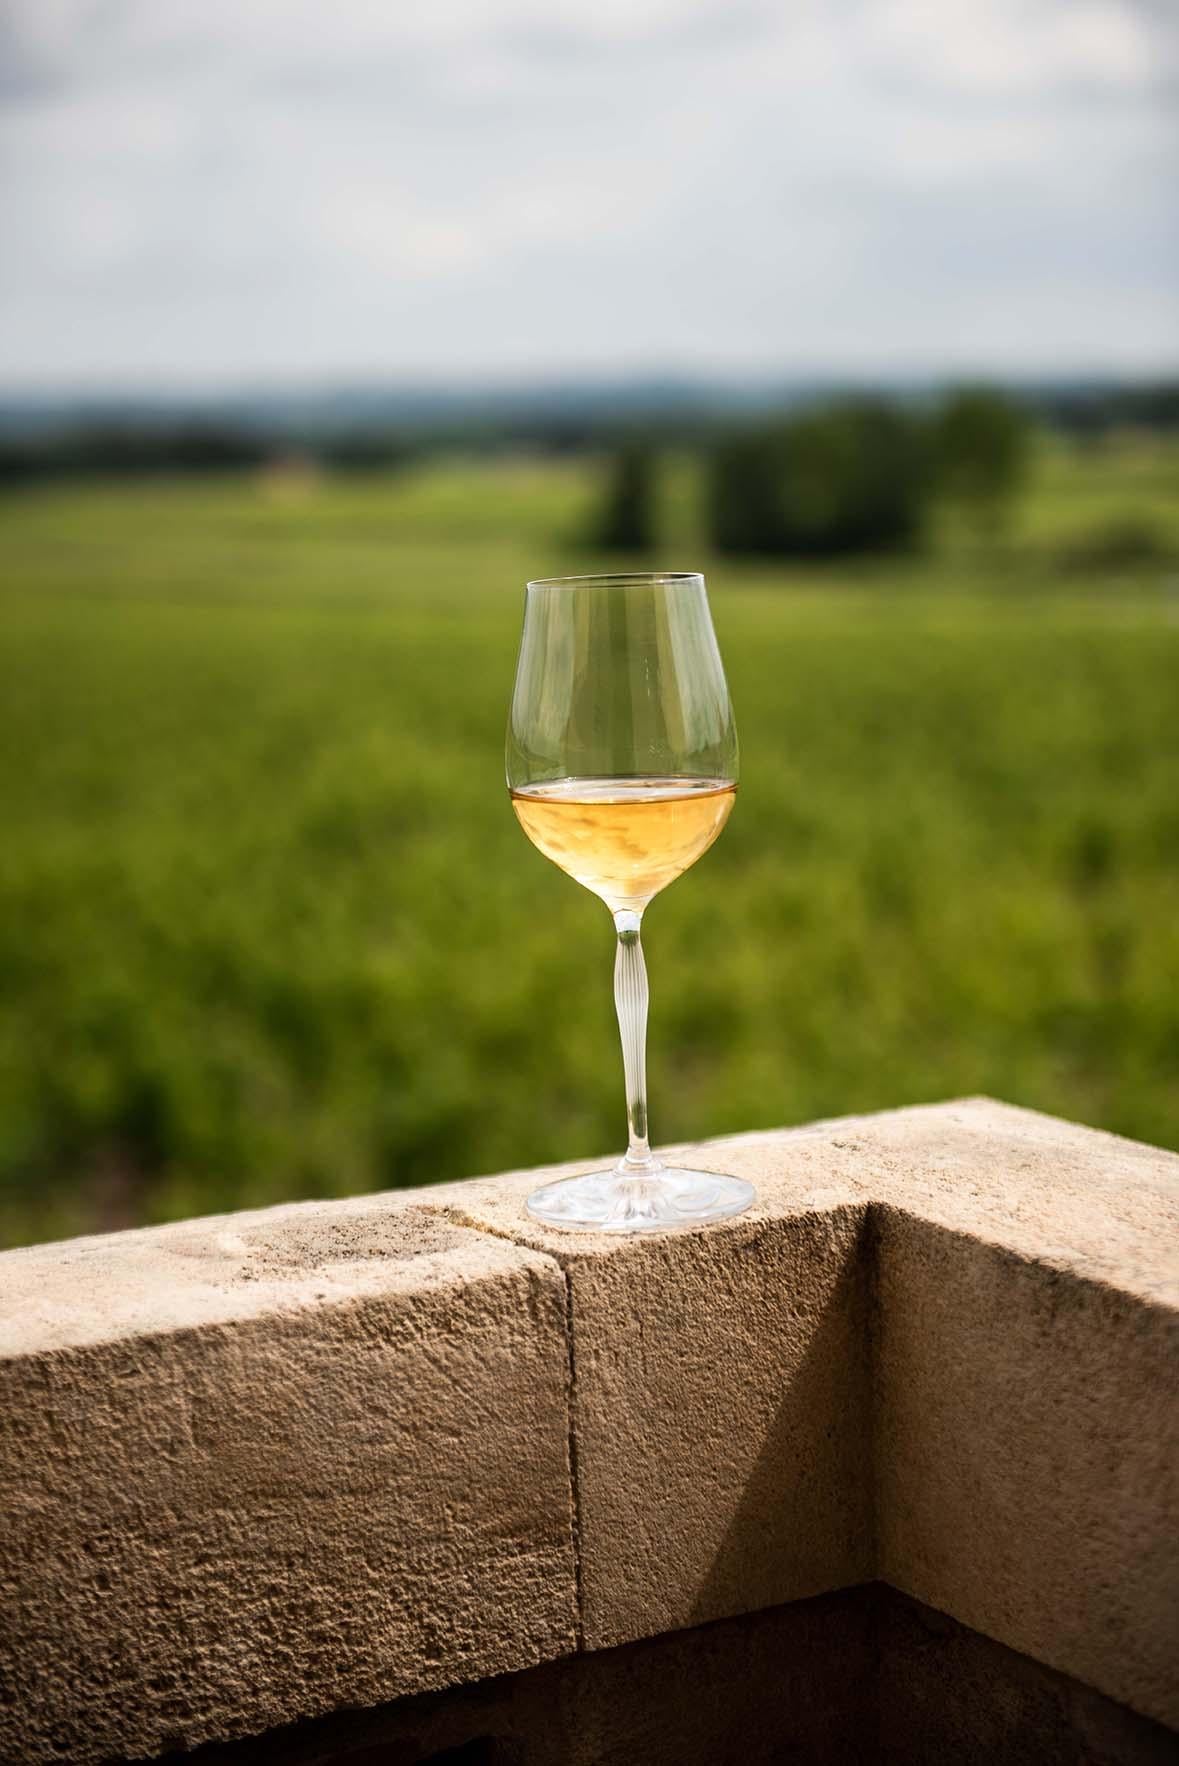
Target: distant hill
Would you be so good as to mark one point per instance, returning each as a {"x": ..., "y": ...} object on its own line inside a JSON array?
[
  {"x": 56, "y": 433},
  {"x": 349, "y": 409}
]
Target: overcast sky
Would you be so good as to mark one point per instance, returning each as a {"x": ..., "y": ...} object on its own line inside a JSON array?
[{"x": 205, "y": 191}]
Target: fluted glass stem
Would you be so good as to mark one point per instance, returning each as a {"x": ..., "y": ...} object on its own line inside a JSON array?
[{"x": 631, "y": 999}]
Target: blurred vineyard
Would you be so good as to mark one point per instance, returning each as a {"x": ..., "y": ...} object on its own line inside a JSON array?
[{"x": 267, "y": 929}]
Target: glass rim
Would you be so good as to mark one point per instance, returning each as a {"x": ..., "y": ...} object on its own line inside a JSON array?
[{"x": 619, "y": 579}]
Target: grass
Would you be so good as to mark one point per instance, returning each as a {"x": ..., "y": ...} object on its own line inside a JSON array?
[{"x": 268, "y": 930}]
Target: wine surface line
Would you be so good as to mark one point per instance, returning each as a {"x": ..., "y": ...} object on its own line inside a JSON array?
[{"x": 624, "y": 838}]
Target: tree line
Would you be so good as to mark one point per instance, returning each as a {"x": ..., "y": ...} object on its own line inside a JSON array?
[{"x": 857, "y": 475}]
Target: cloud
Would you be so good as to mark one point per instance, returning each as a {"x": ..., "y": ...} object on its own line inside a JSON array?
[
  {"x": 208, "y": 190},
  {"x": 1007, "y": 46}
]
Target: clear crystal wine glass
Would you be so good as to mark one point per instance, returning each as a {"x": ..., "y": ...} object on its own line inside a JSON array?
[{"x": 622, "y": 766}]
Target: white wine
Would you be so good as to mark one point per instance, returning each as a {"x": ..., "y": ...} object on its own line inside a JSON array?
[
  {"x": 626, "y": 839},
  {"x": 620, "y": 691}
]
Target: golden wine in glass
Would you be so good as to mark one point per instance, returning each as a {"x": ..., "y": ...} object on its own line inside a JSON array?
[{"x": 622, "y": 768}]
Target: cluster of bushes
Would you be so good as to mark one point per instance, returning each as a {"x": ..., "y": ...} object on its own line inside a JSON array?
[
  {"x": 857, "y": 476},
  {"x": 847, "y": 479},
  {"x": 1126, "y": 542}
]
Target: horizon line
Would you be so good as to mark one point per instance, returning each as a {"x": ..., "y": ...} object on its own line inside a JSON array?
[{"x": 364, "y": 383}]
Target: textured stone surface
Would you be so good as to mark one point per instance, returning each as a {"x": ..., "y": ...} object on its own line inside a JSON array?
[
  {"x": 262, "y": 1467},
  {"x": 270, "y": 1464},
  {"x": 859, "y": 1678},
  {"x": 722, "y": 1416},
  {"x": 793, "y": 1683},
  {"x": 1020, "y": 1412},
  {"x": 1027, "y": 1402},
  {"x": 1074, "y": 1199},
  {"x": 1028, "y": 1457}
]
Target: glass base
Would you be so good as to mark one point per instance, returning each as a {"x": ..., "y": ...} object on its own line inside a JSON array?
[{"x": 631, "y": 1201}]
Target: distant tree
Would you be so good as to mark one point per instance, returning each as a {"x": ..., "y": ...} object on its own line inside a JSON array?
[
  {"x": 980, "y": 450},
  {"x": 211, "y": 448},
  {"x": 844, "y": 479},
  {"x": 365, "y": 452},
  {"x": 1122, "y": 542},
  {"x": 625, "y": 519}
]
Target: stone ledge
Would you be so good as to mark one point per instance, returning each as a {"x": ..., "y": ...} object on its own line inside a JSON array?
[
  {"x": 271, "y": 1463},
  {"x": 317, "y": 1458}
]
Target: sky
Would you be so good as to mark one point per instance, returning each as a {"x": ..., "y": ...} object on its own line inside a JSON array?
[{"x": 201, "y": 193}]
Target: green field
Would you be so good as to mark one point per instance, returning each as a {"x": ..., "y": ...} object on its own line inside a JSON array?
[{"x": 268, "y": 929}]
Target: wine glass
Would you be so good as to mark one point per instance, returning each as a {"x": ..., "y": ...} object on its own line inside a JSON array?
[{"x": 622, "y": 768}]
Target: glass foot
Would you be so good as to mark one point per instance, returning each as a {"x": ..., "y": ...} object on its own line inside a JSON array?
[{"x": 622, "y": 1201}]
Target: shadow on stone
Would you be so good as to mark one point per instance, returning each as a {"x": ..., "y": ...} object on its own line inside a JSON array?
[
  {"x": 866, "y": 1677},
  {"x": 803, "y": 1520}
]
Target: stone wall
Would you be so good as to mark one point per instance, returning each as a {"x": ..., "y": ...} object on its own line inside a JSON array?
[{"x": 260, "y": 1467}]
